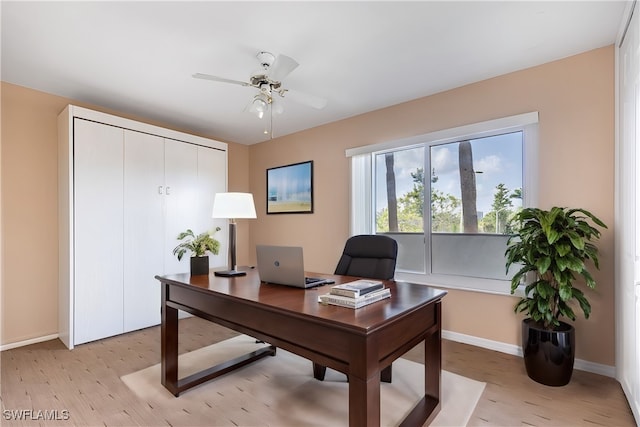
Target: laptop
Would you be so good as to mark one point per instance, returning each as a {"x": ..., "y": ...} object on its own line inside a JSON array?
[{"x": 284, "y": 265}]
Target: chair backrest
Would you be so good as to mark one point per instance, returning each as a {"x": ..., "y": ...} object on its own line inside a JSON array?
[{"x": 370, "y": 256}]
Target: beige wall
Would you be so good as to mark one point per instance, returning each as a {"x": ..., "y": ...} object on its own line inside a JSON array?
[
  {"x": 29, "y": 214},
  {"x": 575, "y": 101},
  {"x": 239, "y": 181}
]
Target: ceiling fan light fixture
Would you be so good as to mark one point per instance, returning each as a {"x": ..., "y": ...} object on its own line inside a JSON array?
[
  {"x": 268, "y": 81},
  {"x": 260, "y": 105}
]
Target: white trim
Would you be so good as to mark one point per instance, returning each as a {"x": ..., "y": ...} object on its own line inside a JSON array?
[
  {"x": 530, "y": 166},
  {"x": 482, "y": 342},
  {"x": 360, "y": 196},
  {"x": 475, "y": 130},
  {"x": 625, "y": 23},
  {"x": 582, "y": 365},
  {"x": 628, "y": 393},
  {"x": 96, "y": 116},
  {"x": 28, "y": 342},
  {"x": 627, "y": 330},
  {"x": 595, "y": 368}
]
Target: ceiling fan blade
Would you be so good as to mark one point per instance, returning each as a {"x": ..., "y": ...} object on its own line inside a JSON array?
[
  {"x": 281, "y": 67},
  {"x": 306, "y": 99},
  {"x": 220, "y": 79}
]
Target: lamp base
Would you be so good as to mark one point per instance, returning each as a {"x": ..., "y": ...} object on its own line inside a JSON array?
[{"x": 230, "y": 273}]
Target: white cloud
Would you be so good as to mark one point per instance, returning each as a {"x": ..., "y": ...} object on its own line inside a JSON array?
[{"x": 489, "y": 164}]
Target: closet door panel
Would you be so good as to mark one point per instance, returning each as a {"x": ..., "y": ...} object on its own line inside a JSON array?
[
  {"x": 181, "y": 200},
  {"x": 98, "y": 230},
  {"x": 143, "y": 228},
  {"x": 212, "y": 174},
  {"x": 628, "y": 210}
]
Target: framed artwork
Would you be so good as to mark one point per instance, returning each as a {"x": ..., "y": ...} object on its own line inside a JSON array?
[{"x": 290, "y": 188}]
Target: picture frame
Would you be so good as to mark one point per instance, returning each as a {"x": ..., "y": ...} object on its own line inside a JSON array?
[{"x": 290, "y": 188}]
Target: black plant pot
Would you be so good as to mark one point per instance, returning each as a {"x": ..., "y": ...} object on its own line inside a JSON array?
[
  {"x": 548, "y": 355},
  {"x": 199, "y": 265}
]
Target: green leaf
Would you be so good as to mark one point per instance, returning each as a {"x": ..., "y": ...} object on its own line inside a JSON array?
[
  {"x": 565, "y": 310},
  {"x": 562, "y": 263},
  {"x": 584, "y": 304},
  {"x": 563, "y": 249},
  {"x": 588, "y": 279},
  {"x": 576, "y": 240},
  {"x": 565, "y": 292},
  {"x": 543, "y": 264},
  {"x": 574, "y": 263},
  {"x": 542, "y": 306},
  {"x": 552, "y": 236},
  {"x": 544, "y": 289}
]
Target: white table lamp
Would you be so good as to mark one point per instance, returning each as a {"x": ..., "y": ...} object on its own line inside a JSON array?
[{"x": 233, "y": 206}]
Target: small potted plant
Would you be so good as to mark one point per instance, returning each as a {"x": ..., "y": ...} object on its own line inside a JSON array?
[
  {"x": 199, "y": 246},
  {"x": 551, "y": 248}
]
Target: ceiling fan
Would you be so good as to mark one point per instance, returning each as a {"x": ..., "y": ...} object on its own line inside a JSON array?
[{"x": 268, "y": 81}]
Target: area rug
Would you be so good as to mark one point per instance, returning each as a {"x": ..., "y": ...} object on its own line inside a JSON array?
[{"x": 281, "y": 391}]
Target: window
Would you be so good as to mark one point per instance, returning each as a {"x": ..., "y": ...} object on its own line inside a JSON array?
[{"x": 453, "y": 221}]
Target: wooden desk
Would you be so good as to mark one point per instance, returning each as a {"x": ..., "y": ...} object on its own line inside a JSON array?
[{"x": 360, "y": 343}]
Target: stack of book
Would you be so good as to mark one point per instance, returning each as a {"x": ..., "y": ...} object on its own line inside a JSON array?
[{"x": 356, "y": 294}]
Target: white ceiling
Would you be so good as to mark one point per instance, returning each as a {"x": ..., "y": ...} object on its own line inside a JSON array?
[{"x": 139, "y": 57}]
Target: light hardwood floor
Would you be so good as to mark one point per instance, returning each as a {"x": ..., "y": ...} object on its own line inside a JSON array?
[{"x": 86, "y": 383}]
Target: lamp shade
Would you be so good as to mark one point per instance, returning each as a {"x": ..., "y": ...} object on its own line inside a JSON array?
[{"x": 233, "y": 206}]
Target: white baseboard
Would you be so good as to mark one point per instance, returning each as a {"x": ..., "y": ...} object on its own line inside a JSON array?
[
  {"x": 582, "y": 365},
  {"x": 633, "y": 404},
  {"x": 27, "y": 342}
]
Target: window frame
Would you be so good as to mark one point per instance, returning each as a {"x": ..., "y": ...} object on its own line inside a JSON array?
[{"x": 362, "y": 212}]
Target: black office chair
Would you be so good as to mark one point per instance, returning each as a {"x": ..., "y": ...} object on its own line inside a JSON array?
[{"x": 371, "y": 257}]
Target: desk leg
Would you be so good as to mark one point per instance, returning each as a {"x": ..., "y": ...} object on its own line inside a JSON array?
[
  {"x": 169, "y": 344},
  {"x": 433, "y": 361},
  {"x": 432, "y": 368},
  {"x": 429, "y": 406},
  {"x": 364, "y": 401}
]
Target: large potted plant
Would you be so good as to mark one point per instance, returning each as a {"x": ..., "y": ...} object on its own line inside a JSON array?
[
  {"x": 198, "y": 246},
  {"x": 552, "y": 250}
]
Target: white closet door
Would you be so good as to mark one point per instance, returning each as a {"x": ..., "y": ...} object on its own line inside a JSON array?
[
  {"x": 143, "y": 228},
  {"x": 631, "y": 339},
  {"x": 98, "y": 232},
  {"x": 212, "y": 173},
  {"x": 181, "y": 200},
  {"x": 628, "y": 224}
]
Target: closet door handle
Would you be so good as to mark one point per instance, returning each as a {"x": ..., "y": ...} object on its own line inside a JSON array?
[
  {"x": 160, "y": 189},
  {"x": 167, "y": 191}
]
